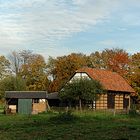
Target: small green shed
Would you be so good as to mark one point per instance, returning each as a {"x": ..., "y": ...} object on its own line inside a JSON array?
[
  {"x": 30, "y": 102},
  {"x": 23, "y": 100}
]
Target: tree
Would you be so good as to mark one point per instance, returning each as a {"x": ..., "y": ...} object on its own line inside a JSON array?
[
  {"x": 12, "y": 83},
  {"x": 4, "y": 67},
  {"x": 62, "y": 68},
  {"x": 15, "y": 62},
  {"x": 25, "y": 55},
  {"x": 134, "y": 75},
  {"x": 97, "y": 60},
  {"x": 31, "y": 67},
  {"x": 116, "y": 60},
  {"x": 87, "y": 89},
  {"x": 17, "y": 59},
  {"x": 34, "y": 72}
]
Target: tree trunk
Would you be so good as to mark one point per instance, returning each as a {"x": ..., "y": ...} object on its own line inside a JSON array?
[
  {"x": 92, "y": 104},
  {"x": 47, "y": 106},
  {"x": 80, "y": 104},
  {"x": 69, "y": 104}
]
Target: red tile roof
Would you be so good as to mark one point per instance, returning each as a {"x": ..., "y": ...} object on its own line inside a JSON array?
[{"x": 110, "y": 80}]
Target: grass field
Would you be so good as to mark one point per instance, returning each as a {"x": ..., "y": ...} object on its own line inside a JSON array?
[{"x": 81, "y": 126}]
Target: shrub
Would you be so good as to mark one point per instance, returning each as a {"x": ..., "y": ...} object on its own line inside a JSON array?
[
  {"x": 66, "y": 116},
  {"x": 132, "y": 112}
]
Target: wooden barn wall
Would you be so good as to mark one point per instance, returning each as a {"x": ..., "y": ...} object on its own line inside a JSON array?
[
  {"x": 102, "y": 102},
  {"x": 39, "y": 107},
  {"x": 119, "y": 101}
]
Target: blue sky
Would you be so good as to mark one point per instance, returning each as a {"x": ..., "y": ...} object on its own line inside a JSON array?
[{"x": 59, "y": 27}]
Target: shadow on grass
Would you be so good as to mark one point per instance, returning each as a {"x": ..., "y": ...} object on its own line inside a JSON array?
[
  {"x": 64, "y": 117},
  {"x": 72, "y": 117}
]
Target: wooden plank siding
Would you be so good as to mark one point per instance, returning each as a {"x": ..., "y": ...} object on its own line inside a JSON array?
[
  {"x": 39, "y": 107},
  {"x": 113, "y": 101},
  {"x": 119, "y": 101},
  {"x": 101, "y": 103}
]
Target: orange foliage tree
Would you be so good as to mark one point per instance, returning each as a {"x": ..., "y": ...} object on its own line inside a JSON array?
[
  {"x": 134, "y": 74},
  {"x": 34, "y": 72},
  {"x": 116, "y": 60},
  {"x": 62, "y": 68}
]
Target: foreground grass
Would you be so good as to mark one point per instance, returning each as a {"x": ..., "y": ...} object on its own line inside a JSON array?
[{"x": 81, "y": 126}]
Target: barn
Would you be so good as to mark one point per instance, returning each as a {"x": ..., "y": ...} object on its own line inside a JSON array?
[{"x": 117, "y": 95}]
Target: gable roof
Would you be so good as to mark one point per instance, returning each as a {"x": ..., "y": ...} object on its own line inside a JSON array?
[{"x": 110, "y": 80}]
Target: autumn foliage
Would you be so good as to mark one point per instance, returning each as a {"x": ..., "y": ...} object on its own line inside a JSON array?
[{"x": 53, "y": 74}]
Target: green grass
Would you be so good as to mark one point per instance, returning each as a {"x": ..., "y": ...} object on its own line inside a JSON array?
[
  {"x": 1, "y": 108},
  {"x": 80, "y": 126}
]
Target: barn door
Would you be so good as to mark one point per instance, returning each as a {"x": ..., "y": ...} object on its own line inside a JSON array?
[
  {"x": 110, "y": 101},
  {"x": 125, "y": 102},
  {"x": 24, "y": 106}
]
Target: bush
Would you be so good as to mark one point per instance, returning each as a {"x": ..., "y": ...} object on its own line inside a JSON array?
[
  {"x": 66, "y": 116},
  {"x": 132, "y": 112}
]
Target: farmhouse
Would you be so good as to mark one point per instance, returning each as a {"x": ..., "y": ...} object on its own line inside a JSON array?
[
  {"x": 117, "y": 95},
  {"x": 28, "y": 102},
  {"x": 118, "y": 91}
]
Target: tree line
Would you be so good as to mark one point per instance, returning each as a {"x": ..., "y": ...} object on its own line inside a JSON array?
[{"x": 25, "y": 70}]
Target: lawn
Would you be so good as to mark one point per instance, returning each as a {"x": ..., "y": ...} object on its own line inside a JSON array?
[{"x": 81, "y": 126}]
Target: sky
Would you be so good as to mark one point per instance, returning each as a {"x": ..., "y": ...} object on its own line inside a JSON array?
[{"x": 60, "y": 27}]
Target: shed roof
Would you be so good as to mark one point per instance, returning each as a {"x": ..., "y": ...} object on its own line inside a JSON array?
[
  {"x": 110, "y": 80},
  {"x": 30, "y": 95},
  {"x": 53, "y": 95}
]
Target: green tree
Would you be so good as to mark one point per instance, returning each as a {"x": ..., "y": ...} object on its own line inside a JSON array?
[
  {"x": 96, "y": 60},
  {"x": 12, "y": 83},
  {"x": 4, "y": 67},
  {"x": 80, "y": 89}
]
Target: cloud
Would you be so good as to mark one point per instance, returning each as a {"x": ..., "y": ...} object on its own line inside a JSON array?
[{"x": 44, "y": 22}]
